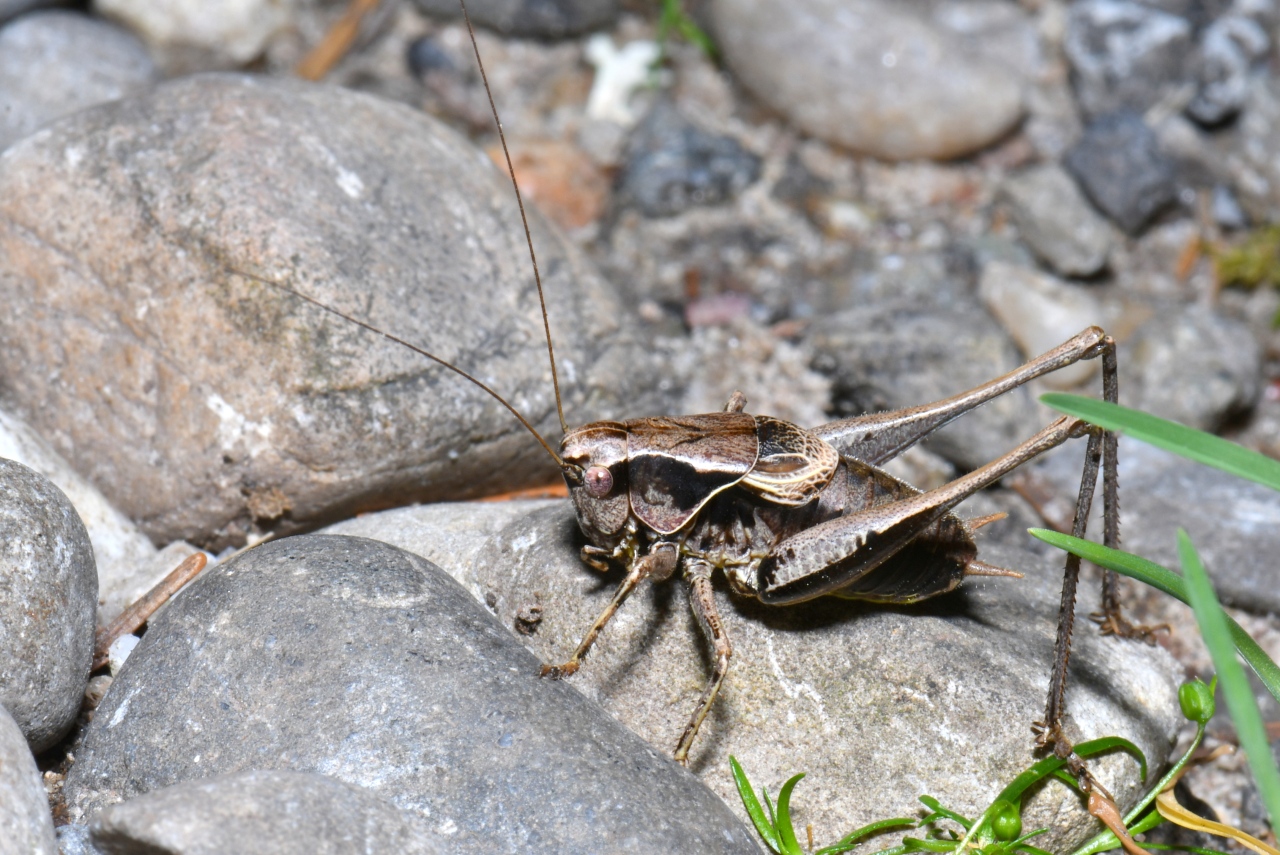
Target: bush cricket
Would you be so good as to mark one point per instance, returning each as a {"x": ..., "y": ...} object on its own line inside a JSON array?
[{"x": 788, "y": 514}]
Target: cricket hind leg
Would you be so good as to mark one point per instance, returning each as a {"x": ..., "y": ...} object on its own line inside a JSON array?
[{"x": 702, "y": 602}]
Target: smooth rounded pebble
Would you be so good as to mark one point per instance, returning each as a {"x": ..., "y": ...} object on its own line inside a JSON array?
[
  {"x": 26, "y": 827},
  {"x": 1056, "y": 221},
  {"x": 54, "y": 63},
  {"x": 276, "y": 812},
  {"x": 224, "y": 404},
  {"x": 868, "y": 75},
  {"x": 937, "y": 698},
  {"x": 355, "y": 659},
  {"x": 48, "y": 597}
]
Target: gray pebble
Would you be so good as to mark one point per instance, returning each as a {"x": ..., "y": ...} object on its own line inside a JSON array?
[
  {"x": 366, "y": 663},
  {"x": 48, "y": 596},
  {"x": 26, "y": 828},
  {"x": 54, "y": 63},
  {"x": 74, "y": 840},
  {"x": 272, "y": 812},
  {"x": 1125, "y": 55},
  {"x": 1121, "y": 168},
  {"x": 1193, "y": 366},
  {"x": 1057, "y": 222},
  {"x": 1231, "y": 48},
  {"x": 865, "y": 74},
  {"x": 546, "y": 19},
  {"x": 673, "y": 164}
]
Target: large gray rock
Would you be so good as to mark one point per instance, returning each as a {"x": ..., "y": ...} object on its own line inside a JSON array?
[
  {"x": 272, "y": 812},
  {"x": 48, "y": 595},
  {"x": 54, "y": 63},
  {"x": 935, "y": 698},
  {"x": 365, "y": 663},
  {"x": 26, "y": 827},
  {"x": 137, "y": 244},
  {"x": 867, "y": 74}
]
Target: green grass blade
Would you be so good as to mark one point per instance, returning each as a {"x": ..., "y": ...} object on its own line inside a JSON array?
[
  {"x": 749, "y": 801},
  {"x": 1181, "y": 440},
  {"x": 787, "y": 834},
  {"x": 1235, "y": 686},
  {"x": 1164, "y": 579},
  {"x": 849, "y": 840}
]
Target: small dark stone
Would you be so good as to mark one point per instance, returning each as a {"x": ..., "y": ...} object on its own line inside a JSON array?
[
  {"x": 425, "y": 55},
  {"x": 1125, "y": 55},
  {"x": 547, "y": 19},
  {"x": 1226, "y": 209},
  {"x": 672, "y": 165},
  {"x": 1121, "y": 168}
]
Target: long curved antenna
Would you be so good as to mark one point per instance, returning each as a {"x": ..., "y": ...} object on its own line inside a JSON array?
[
  {"x": 455, "y": 369},
  {"x": 511, "y": 170}
]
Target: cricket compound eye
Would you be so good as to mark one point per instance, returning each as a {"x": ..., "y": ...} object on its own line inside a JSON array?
[{"x": 599, "y": 481}]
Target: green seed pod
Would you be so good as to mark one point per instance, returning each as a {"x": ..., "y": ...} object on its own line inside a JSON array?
[
  {"x": 1196, "y": 700},
  {"x": 1006, "y": 821}
]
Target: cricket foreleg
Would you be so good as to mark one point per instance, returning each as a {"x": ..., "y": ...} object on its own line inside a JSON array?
[
  {"x": 659, "y": 563},
  {"x": 878, "y": 437},
  {"x": 702, "y": 601}
]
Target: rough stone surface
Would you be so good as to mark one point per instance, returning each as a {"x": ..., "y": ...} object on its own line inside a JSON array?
[
  {"x": 54, "y": 63},
  {"x": 1193, "y": 366},
  {"x": 128, "y": 565},
  {"x": 1056, "y": 221},
  {"x": 74, "y": 840},
  {"x": 136, "y": 244},
  {"x": 1235, "y": 524},
  {"x": 190, "y": 35},
  {"x": 276, "y": 812},
  {"x": 13, "y": 8},
  {"x": 912, "y": 332},
  {"x": 1125, "y": 55},
  {"x": 1040, "y": 313},
  {"x": 1121, "y": 168},
  {"x": 530, "y": 18},
  {"x": 672, "y": 164},
  {"x": 1251, "y": 154},
  {"x": 1231, "y": 49},
  {"x": 864, "y": 74},
  {"x": 365, "y": 663},
  {"x": 26, "y": 828},
  {"x": 936, "y": 697},
  {"x": 48, "y": 592}
]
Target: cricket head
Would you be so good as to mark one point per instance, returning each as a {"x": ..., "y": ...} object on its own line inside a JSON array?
[{"x": 594, "y": 463}]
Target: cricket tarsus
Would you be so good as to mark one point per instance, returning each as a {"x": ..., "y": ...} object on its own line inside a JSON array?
[{"x": 528, "y": 235}]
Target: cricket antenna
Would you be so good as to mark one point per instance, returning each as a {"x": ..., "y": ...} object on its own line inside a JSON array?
[
  {"x": 395, "y": 338},
  {"x": 528, "y": 236}
]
